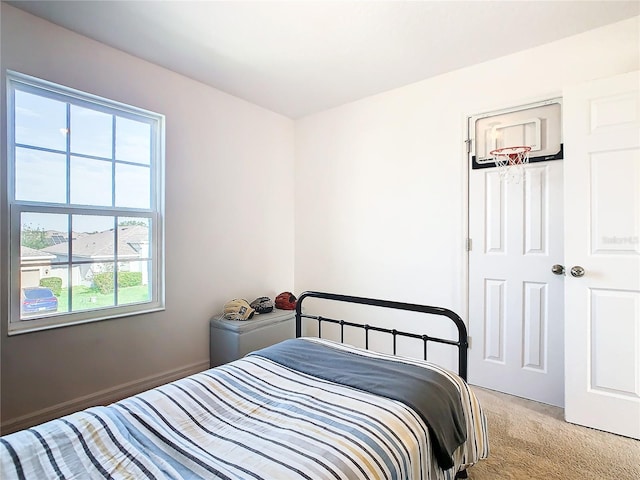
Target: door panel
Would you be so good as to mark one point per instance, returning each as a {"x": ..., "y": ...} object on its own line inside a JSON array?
[
  {"x": 494, "y": 214},
  {"x": 535, "y": 222},
  {"x": 535, "y": 325},
  {"x": 494, "y": 321},
  {"x": 602, "y": 225},
  {"x": 607, "y": 347},
  {"x": 615, "y": 218}
]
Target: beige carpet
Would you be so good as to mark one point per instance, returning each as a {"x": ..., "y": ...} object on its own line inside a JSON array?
[{"x": 530, "y": 440}]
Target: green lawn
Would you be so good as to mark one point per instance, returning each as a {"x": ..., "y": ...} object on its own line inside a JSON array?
[{"x": 85, "y": 298}]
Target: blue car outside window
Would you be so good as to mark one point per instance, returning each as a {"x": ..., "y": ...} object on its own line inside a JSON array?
[{"x": 38, "y": 293}]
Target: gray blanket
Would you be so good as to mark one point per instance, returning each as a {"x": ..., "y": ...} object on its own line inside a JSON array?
[{"x": 429, "y": 393}]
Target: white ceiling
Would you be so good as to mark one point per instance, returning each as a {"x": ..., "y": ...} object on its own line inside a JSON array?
[{"x": 301, "y": 57}]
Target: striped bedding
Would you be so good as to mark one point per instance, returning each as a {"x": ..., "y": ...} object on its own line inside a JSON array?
[{"x": 249, "y": 419}]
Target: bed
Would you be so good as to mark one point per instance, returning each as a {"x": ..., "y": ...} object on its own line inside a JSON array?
[{"x": 306, "y": 408}]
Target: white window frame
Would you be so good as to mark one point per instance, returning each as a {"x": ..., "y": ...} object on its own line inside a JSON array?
[{"x": 41, "y": 87}]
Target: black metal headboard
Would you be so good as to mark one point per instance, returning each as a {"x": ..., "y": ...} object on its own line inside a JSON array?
[{"x": 461, "y": 343}]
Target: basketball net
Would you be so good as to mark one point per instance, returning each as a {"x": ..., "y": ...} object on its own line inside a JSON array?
[{"x": 510, "y": 162}]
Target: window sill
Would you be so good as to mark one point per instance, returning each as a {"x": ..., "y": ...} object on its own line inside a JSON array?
[{"x": 28, "y": 326}]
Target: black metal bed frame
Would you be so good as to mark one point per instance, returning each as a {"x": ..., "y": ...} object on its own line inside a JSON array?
[{"x": 462, "y": 342}]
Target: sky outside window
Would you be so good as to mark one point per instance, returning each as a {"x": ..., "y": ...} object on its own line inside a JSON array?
[
  {"x": 40, "y": 121},
  {"x": 91, "y": 132},
  {"x": 132, "y": 141},
  {"x": 40, "y": 176}
]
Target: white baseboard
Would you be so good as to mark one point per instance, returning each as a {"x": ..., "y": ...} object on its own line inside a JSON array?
[{"x": 102, "y": 397}]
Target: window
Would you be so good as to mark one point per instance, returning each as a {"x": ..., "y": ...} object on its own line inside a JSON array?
[{"x": 85, "y": 188}]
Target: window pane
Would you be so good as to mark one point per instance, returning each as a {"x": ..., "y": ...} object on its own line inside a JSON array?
[
  {"x": 40, "y": 285},
  {"x": 37, "y": 299},
  {"x": 133, "y": 282},
  {"x": 91, "y": 132},
  {"x": 134, "y": 237},
  {"x": 94, "y": 240},
  {"x": 40, "y": 176},
  {"x": 133, "y": 141},
  {"x": 43, "y": 292},
  {"x": 61, "y": 272},
  {"x": 41, "y": 231},
  {"x": 97, "y": 294},
  {"x": 90, "y": 181},
  {"x": 40, "y": 121},
  {"x": 133, "y": 186}
]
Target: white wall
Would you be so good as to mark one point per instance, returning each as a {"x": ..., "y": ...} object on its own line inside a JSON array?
[
  {"x": 229, "y": 225},
  {"x": 380, "y": 183}
]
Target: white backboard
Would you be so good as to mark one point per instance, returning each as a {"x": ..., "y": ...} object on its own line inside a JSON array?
[{"x": 538, "y": 126}]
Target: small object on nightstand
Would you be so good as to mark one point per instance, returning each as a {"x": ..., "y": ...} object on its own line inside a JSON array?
[
  {"x": 238, "y": 309},
  {"x": 286, "y": 301},
  {"x": 262, "y": 305}
]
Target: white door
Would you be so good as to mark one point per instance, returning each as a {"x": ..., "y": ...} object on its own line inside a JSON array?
[
  {"x": 602, "y": 234},
  {"x": 515, "y": 301}
]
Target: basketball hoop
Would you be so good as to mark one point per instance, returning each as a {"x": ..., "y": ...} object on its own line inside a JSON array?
[{"x": 510, "y": 161}]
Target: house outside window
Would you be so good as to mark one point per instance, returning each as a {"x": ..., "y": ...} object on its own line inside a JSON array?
[{"x": 86, "y": 196}]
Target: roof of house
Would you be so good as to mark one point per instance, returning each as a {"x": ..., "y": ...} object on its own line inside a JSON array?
[
  {"x": 131, "y": 238},
  {"x": 28, "y": 253}
]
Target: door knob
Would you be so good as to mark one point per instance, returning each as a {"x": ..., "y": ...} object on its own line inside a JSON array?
[
  {"x": 558, "y": 269},
  {"x": 577, "y": 271}
]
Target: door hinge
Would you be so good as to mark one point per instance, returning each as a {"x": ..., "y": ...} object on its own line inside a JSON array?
[
  {"x": 468, "y": 142},
  {"x": 469, "y": 341},
  {"x": 468, "y": 245}
]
